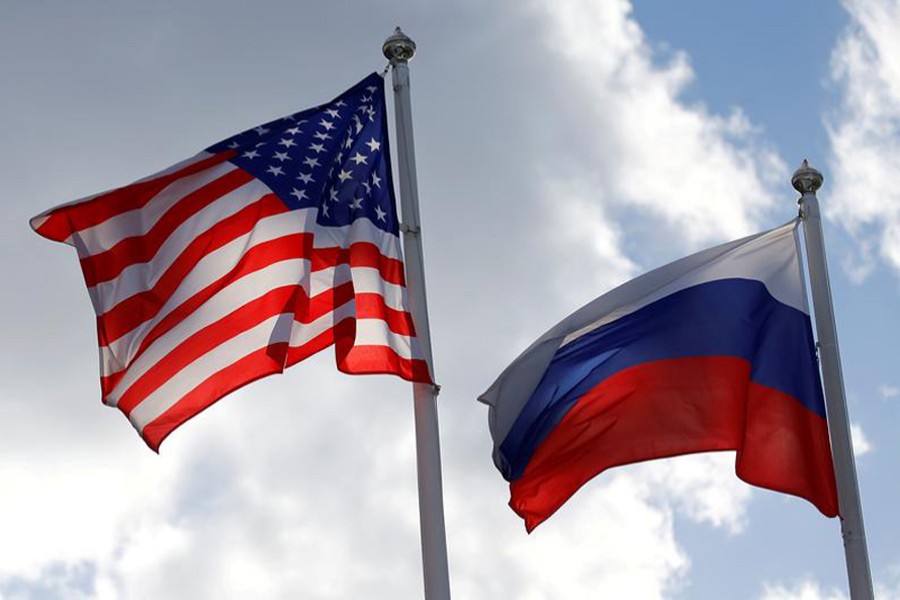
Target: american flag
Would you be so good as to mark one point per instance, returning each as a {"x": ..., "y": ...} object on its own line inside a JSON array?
[{"x": 245, "y": 259}]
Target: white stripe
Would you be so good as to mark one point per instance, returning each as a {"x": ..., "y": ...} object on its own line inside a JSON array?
[
  {"x": 40, "y": 219},
  {"x": 375, "y": 332},
  {"x": 361, "y": 230},
  {"x": 372, "y": 332},
  {"x": 302, "y": 333},
  {"x": 231, "y": 298},
  {"x": 140, "y": 277},
  {"x": 368, "y": 280},
  {"x": 273, "y": 330},
  {"x": 139, "y": 221},
  {"x": 369, "y": 332},
  {"x": 770, "y": 257},
  {"x": 143, "y": 276},
  {"x": 120, "y": 353}
]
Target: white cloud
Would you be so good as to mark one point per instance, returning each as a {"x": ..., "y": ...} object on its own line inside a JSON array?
[
  {"x": 305, "y": 484},
  {"x": 73, "y": 509},
  {"x": 703, "y": 487},
  {"x": 864, "y": 134},
  {"x": 804, "y": 590},
  {"x": 860, "y": 442},
  {"x": 628, "y": 543},
  {"x": 888, "y": 391},
  {"x": 809, "y": 589},
  {"x": 641, "y": 145},
  {"x": 591, "y": 251}
]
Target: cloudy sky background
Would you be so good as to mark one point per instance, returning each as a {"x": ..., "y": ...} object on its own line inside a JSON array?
[{"x": 563, "y": 147}]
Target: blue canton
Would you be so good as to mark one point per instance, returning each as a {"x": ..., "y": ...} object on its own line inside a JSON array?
[{"x": 333, "y": 157}]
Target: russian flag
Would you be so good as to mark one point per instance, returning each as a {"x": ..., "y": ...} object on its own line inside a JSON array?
[{"x": 712, "y": 352}]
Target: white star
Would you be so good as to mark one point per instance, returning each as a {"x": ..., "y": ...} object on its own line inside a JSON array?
[
  {"x": 357, "y": 203},
  {"x": 287, "y": 143},
  {"x": 282, "y": 156},
  {"x": 367, "y": 186},
  {"x": 317, "y": 147},
  {"x": 349, "y": 142},
  {"x": 321, "y": 135},
  {"x": 376, "y": 180},
  {"x": 367, "y": 99},
  {"x": 328, "y": 125},
  {"x": 300, "y": 194},
  {"x": 358, "y": 159},
  {"x": 333, "y": 195},
  {"x": 293, "y": 130},
  {"x": 311, "y": 162},
  {"x": 305, "y": 178},
  {"x": 250, "y": 154},
  {"x": 340, "y": 103},
  {"x": 325, "y": 209},
  {"x": 357, "y": 123},
  {"x": 334, "y": 114},
  {"x": 275, "y": 170},
  {"x": 234, "y": 145},
  {"x": 371, "y": 113},
  {"x": 344, "y": 175},
  {"x": 373, "y": 145},
  {"x": 371, "y": 89},
  {"x": 261, "y": 130},
  {"x": 380, "y": 213}
]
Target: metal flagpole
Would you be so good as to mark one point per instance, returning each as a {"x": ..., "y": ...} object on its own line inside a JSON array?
[
  {"x": 399, "y": 49},
  {"x": 807, "y": 180}
]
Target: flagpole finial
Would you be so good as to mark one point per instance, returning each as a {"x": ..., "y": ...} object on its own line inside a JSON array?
[
  {"x": 806, "y": 179},
  {"x": 398, "y": 48}
]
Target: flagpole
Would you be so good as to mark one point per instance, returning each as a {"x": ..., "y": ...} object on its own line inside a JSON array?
[
  {"x": 399, "y": 49},
  {"x": 807, "y": 180}
]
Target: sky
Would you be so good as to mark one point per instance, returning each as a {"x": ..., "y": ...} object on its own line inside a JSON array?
[{"x": 563, "y": 147}]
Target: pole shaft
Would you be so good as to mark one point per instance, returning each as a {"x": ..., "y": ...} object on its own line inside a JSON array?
[
  {"x": 852, "y": 528},
  {"x": 428, "y": 451}
]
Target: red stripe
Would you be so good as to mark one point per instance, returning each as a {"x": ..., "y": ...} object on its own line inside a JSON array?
[
  {"x": 262, "y": 255},
  {"x": 107, "y": 265},
  {"x": 325, "y": 339},
  {"x": 368, "y": 360},
  {"x": 673, "y": 407},
  {"x": 280, "y": 300},
  {"x": 143, "y": 306},
  {"x": 272, "y": 303},
  {"x": 273, "y": 359},
  {"x": 109, "y": 382},
  {"x": 786, "y": 448},
  {"x": 307, "y": 310},
  {"x": 372, "y": 306},
  {"x": 255, "y": 365},
  {"x": 361, "y": 254},
  {"x": 66, "y": 220}
]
